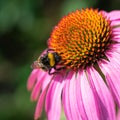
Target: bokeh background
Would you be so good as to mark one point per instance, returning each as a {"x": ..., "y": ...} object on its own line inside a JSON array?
[{"x": 25, "y": 26}]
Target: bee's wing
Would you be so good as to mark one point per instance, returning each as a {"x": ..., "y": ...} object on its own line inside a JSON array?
[{"x": 35, "y": 65}]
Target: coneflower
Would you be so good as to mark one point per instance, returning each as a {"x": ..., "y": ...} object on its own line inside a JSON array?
[{"x": 89, "y": 86}]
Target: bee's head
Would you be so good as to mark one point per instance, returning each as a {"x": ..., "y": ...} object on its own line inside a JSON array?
[{"x": 39, "y": 64}]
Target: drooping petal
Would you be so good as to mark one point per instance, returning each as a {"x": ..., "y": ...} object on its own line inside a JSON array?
[
  {"x": 46, "y": 81},
  {"x": 53, "y": 98},
  {"x": 118, "y": 115},
  {"x": 32, "y": 79},
  {"x": 36, "y": 91},
  {"x": 88, "y": 99},
  {"x": 79, "y": 98},
  {"x": 112, "y": 73},
  {"x": 43, "y": 79},
  {"x": 40, "y": 104},
  {"x": 70, "y": 98},
  {"x": 65, "y": 98},
  {"x": 104, "y": 100}
]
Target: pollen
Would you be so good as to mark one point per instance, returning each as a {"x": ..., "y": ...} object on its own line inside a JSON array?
[{"x": 81, "y": 38}]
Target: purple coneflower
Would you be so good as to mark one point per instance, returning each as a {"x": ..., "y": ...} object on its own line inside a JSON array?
[{"x": 88, "y": 88}]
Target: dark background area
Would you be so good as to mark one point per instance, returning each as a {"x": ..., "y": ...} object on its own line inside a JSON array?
[{"x": 25, "y": 26}]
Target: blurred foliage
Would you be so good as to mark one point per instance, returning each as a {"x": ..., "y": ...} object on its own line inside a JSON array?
[{"x": 25, "y": 26}]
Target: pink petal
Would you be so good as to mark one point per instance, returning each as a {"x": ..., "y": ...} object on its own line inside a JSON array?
[
  {"x": 118, "y": 115},
  {"x": 53, "y": 98},
  {"x": 88, "y": 99},
  {"x": 40, "y": 104},
  {"x": 114, "y": 15},
  {"x": 115, "y": 23},
  {"x": 79, "y": 96},
  {"x": 115, "y": 48},
  {"x": 65, "y": 98},
  {"x": 36, "y": 91},
  {"x": 70, "y": 98},
  {"x": 104, "y": 100},
  {"x": 46, "y": 80},
  {"x": 42, "y": 79},
  {"x": 116, "y": 30},
  {"x": 112, "y": 73},
  {"x": 32, "y": 79},
  {"x": 117, "y": 37},
  {"x": 104, "y": 13}
]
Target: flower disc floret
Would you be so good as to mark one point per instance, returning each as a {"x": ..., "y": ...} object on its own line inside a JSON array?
[{"x": 81, "y": 38}]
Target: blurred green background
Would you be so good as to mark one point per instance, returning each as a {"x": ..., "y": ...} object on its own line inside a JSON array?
[{"x": 25, "y": 26}]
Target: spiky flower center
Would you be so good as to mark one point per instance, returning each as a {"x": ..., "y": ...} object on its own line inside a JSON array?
[{"x": 81, "y": 38}]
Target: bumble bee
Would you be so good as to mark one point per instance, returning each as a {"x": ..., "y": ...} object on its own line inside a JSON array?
[{"x": 48, "y": 61}]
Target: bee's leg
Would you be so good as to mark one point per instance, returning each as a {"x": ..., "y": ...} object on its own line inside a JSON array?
[
  {"x": 59, "y": 68},
  {"x": 51, "y": 73},
  {"x": 49, "y": 50}
]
